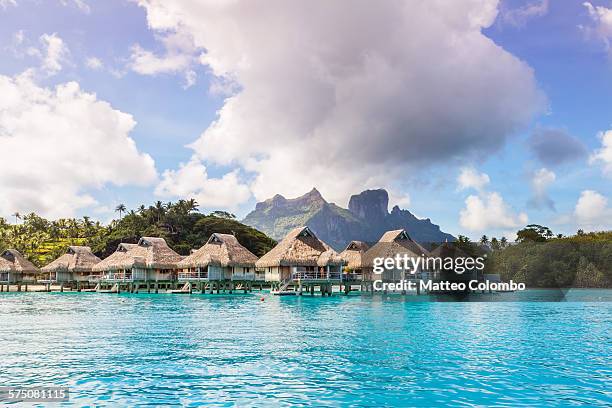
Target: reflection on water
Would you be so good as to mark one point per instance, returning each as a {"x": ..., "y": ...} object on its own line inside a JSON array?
[{"x": 366, "y": 351}]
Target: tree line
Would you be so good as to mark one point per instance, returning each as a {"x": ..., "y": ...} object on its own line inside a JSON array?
[
  {"x": 540, "y": 258},
  {"x": 180, "y": 223}
]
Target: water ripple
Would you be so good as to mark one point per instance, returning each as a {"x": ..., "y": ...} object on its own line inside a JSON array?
[{"x": 340, "y": 351}]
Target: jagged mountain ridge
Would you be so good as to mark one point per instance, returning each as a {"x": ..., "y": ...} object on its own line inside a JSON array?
[{"x": 366, "y": 219}]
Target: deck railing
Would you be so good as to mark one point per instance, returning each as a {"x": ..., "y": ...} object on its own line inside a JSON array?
[
  {"x": 355, "y": 277},
  {"x": 246, "y": 276},
  {"x": 118, "y": 277},
  {"x": 316, "y": 275},
  {"x": 184, "y": 276}
]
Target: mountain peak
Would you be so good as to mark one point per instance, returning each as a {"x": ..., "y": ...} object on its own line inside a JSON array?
[
  {"x": 313, "y": 194},
  {"x": 370, "y": 205},
  {"x": 366, "y": 219}
]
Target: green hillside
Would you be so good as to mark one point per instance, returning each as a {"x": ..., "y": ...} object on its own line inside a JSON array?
[
  {"x": 183, "y": 227},
  {"x": 582, "y": 260}
]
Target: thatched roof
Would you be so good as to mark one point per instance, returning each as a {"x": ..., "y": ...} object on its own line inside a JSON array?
[
  {"x": 448, "y": 250},
  {"x": 221, "y": 250},
  {"x": 150, "y": 252},
  {"x": 353, "y": 254},
  {"x": 393, "y": 243},
  {"x": 299, "y": 248},
  {"x": 12, "y": 261},
  {"x": 76, "y": 259},
  {"x": 156, "y": 253},
  {"x": 118, "y": 259},
  {"x": 329, "y": 257}
]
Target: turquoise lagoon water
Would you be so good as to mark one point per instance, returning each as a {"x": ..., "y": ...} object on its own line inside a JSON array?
[{"x": 223, "y": 350}]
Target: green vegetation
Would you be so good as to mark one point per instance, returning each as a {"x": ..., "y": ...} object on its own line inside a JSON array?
[
  {"x": 541, "y": 259},
  {"x": 179, "y": 223}
]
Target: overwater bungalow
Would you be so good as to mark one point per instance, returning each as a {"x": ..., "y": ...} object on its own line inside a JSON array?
[
  {"x": 150, "y": 260},
  {"x": 222, "y": 261},
  {"x": 353, "y": 257},
  {"x": 15, "y": 268},
  {"x": 117, "y": 262},
  {"x": 76, "y": 265},
  {"x": 301, "y": 258},
  {"x": 391, "y": 244}
]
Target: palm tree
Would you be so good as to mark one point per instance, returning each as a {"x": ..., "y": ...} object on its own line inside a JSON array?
[
  {"x": 495, "y": 243},
  {"x": 17, "y": 216},
  {"x": 120, "y": 209},
  {"x": 503, "y": 242},
  {"x": 160, "y": 210},
  {"x": 484, "y": 240},
  {"x": 192, "y": 204}
]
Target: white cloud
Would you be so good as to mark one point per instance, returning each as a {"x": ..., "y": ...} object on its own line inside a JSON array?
[
  {"x": 470, "y": 178},
  {"x": 347, "y": 96},
  {"x": 400, "y": 199},
  {"x": 180, "y": 56},
  {"x": 592, "y": 212},
  {"x": 83, "y": 6},
  {"x": 191, "y": 181},
  {"x": 519, "y": 16},
  {"x": 602, "y": 23},
  {"x": 603, "y": 155},
  {"x": 18, "y": 38},
  {"x": 93, "y": 63},
  {"x": 541, "y": 181},
  {"x": 55, "y": 53},
  {"x": 6, "y": 3},
  {"x": 489, "y": 211},
  {"x": 52, "y": 52},
  {"x": 58, "y": 144}
]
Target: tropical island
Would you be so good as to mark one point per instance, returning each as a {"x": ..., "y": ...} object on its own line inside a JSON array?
[{"x": 538, "y": 258}]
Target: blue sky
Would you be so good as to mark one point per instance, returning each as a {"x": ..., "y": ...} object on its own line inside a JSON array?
[{"x": 457, "y": 150}]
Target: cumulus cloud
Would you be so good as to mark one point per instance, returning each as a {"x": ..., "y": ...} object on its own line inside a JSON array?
[
  {"x": 180, "y": 56},
  {"x": 602, "y": 23},
  {"x": 540, "y": 182},
  {"x": 554, "y": 147},
  {"x": 470, "y": 178},
  {"x": 519, "y": 16},
  {"x": 489, "y": 211},
  {"x": 347, "y": 96},
  {"x": 592, "y": 212},
  {"x": 603, "y": 155},
  {"x": 191, "y": 181},
  {"x": 58, "y": 144}
]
